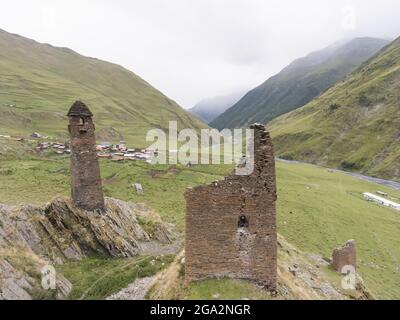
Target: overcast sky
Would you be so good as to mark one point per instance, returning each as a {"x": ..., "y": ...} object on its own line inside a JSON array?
[{"x": 195, "y": 49}]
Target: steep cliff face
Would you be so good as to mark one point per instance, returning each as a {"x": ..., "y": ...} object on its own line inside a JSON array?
[
  {"x": 20, "y": 265},
  {"x": 34, "y": 237}
]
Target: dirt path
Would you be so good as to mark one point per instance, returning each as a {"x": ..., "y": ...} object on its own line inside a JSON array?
[
  {"x": 154, "y": 248},
  {"x": 135, "y": 291}
]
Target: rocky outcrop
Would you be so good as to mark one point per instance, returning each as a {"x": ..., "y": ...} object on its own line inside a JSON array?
[
  {"x": 21, "y": 276},
  {"x": 33, "y": 237},
  {"x": 301, "y": 276},
  {"x": 14, "y": 286}
]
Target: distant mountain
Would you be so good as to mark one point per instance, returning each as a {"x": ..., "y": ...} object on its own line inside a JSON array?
[
  {"x": 299, "y": 83},
  {"x": 208, "y": 109},
  {"x": 353, "y": 126},
  {"x": 39, "y": 82}
]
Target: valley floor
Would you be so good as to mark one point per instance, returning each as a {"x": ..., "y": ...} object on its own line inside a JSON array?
[
  {"x": 388, "y": 183},
  {"x": 318, "y": 209}
]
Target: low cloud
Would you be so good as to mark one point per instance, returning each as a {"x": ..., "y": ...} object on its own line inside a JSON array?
[{"x": 192, "y": 49}]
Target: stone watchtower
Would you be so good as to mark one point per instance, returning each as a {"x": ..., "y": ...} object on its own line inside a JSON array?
[
  {"x": 231, "y": 224},
  {"x": 86, "y": 187}
]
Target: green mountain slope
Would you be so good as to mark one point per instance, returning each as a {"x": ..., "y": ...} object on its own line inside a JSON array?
[
  {"x": 299, "y": 83},
  {"x": 355, "y": 125},
  {"x": 39, "y": 82}
]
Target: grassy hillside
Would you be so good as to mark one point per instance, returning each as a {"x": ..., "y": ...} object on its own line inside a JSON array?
[
  {"x": 39, "y": 82},
  {"x": 355, "y": 125},
  {"x": 299, "y": 83},
  {"x": 318, "y": 210}
]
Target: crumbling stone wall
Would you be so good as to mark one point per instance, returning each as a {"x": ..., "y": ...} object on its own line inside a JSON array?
[
  {"x": 86, "y": 186},
  {"x": 231, "y": 224},
  {"x": 344, "y": 256}
]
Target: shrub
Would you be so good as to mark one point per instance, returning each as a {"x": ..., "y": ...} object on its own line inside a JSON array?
[
  {"x": 148, "y": 225},
  {"x": 350, "y": 166},
  {"x": 287, "y": 156},
  {"x": 333, "y": 107},
  {"x": 6, "y": 172},
  {"x": 363, "y": 100}
]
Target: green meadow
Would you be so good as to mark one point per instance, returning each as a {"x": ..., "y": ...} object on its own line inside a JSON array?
[
  {"x": 318, "y": 209},
  {"x": 225, "y": 289}
]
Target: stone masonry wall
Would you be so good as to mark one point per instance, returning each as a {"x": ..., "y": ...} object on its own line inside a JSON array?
[
  {"x": 86, "y": 185},
  {"x": 344, "y": 256},
  {"x": 231, "y": 224}
]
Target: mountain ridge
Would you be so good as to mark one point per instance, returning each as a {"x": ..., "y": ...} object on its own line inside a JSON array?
[
  {"x": 210, "y": 108},
  {"x": 299, "y": 82},
  {"x": 355, "y": 125},
  {"x": 39, "y": 82}
]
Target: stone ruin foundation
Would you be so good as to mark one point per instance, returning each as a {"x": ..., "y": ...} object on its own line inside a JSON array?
[
  {"x": 344, "y": 256},
  {"x": 231, "y": 224}
]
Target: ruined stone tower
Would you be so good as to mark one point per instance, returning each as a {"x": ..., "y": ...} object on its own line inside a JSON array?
[
  {"x": 231, "y": 224},
  {"x": 344, "y": 256},
  {"x": 85, "y": 171}
]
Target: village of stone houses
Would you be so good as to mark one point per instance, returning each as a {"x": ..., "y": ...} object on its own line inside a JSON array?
[{"x": 88, "y": 211}]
